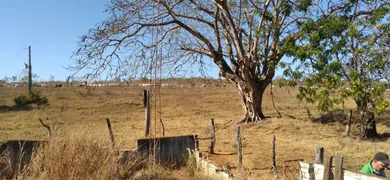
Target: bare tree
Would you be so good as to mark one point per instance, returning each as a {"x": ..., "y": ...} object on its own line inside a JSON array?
[
  {"x": 245, "y": 39},
  {"x": 14, "y": 78},
  {"x": 51, "y": 78}
]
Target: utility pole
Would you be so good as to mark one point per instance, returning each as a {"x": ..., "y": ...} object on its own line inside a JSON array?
[{"x": 29, "y": 71}]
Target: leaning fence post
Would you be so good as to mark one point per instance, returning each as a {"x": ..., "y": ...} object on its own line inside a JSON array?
[
  {"x": 212, "y": 136},
  {"x": 338, "y": 172},
  {"x": 147, "y": 112},
  {"x": 327, "y": 168},
  {"x": 110, "y": 130},
  {"x": 319, "y": 157},
  {"x": 162, "y": 127},
  {"x": 274, "y": 158},
  {"x": 239, "y": 148}
]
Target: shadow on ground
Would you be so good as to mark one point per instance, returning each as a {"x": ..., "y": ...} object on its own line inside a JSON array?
[
  {"x": 5, "y": 108},
  {"x": 384, "y": 118},
  {"x": 331, "y": 117},
  {"x": 385, "y": 136}
]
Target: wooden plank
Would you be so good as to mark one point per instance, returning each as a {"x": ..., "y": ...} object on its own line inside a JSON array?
[
  {"x": 338, "y": 173},
  {"x": 358, "y": 175},
  {"x": 319, "y": 156},
  {"x": 327, "y": 168}
]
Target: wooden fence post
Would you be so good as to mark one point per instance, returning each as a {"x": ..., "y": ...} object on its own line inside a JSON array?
[
  {"x": 212, "y": 136},
  {"x": 147, "y": 112},
  {"x": 338, "y": 172},
  {"x": 145, "y": 95},
  {"x": 239, "y": 148},
  {"x": 110, "y": 130},
  {"x": 162, "y": 127},
  {"x": 319, "y": 157},
  {"x": 348, "y": 128},
  {"x": 328, "y": 168},
  {"x": 274, "y": 158}
]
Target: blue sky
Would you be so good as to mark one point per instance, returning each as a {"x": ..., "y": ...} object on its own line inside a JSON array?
[{"x": 51, "y": 27}]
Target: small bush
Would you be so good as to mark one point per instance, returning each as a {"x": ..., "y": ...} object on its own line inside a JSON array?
[
  {"x": 21, "y": 100},
  {"x": 36, "y": 97}
]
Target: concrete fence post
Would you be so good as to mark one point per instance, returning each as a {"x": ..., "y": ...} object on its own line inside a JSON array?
[
  {"x": 328, "y": 168},
  {"x": 338, "y": 172}
]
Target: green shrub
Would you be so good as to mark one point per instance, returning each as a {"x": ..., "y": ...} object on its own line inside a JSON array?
[
  {"x": 36, "y": 97},
  {"x": 22, "y": 100}
]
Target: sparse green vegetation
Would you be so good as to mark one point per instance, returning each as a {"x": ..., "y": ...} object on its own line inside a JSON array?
[{"x": 25, "y": 100}]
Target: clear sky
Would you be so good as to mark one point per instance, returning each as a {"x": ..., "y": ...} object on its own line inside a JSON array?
[{"x": 51, "y": 27}]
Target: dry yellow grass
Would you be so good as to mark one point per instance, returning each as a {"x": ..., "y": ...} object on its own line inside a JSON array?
[{"x": 187, "y": 111}]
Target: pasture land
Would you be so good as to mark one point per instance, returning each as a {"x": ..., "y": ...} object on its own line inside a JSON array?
[{"x": 188, "y": 111}]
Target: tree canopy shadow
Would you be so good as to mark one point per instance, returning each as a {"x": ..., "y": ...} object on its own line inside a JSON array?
[
  {"x": 384, "y": 118},
  {"x": 5, "y": 108},
  {"x": 331, "y": 117},
  {"x": 384, "y": 136}
]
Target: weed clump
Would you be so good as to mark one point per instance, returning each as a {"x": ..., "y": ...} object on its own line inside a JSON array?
[{"x": 25, "y": 100}]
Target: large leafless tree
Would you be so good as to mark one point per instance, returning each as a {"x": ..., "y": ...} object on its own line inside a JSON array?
[{"x": 245, "y": 39}]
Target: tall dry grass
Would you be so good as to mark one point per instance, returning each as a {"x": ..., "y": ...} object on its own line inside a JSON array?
[
  {"x": 83, "y": 155},
  {"x": 89, "y": 155}
]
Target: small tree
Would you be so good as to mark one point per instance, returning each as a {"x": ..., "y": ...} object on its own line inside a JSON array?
[
  {"x": 14, "y": 78},
  {"x": 6, "y": 79},
  {"x": 346, "y": 58}
]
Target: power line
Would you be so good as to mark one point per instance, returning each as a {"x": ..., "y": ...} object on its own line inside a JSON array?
[{"x": 45, "y": 61}]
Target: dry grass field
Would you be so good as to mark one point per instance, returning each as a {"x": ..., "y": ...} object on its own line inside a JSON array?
[{"x": 188, "y": 111}]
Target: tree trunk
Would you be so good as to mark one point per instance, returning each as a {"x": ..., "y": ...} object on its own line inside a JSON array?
[
  {"x": 367, "y": 122},
  {"x": 251, "y": 100},
  {"x": 368, "y": 127}
]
